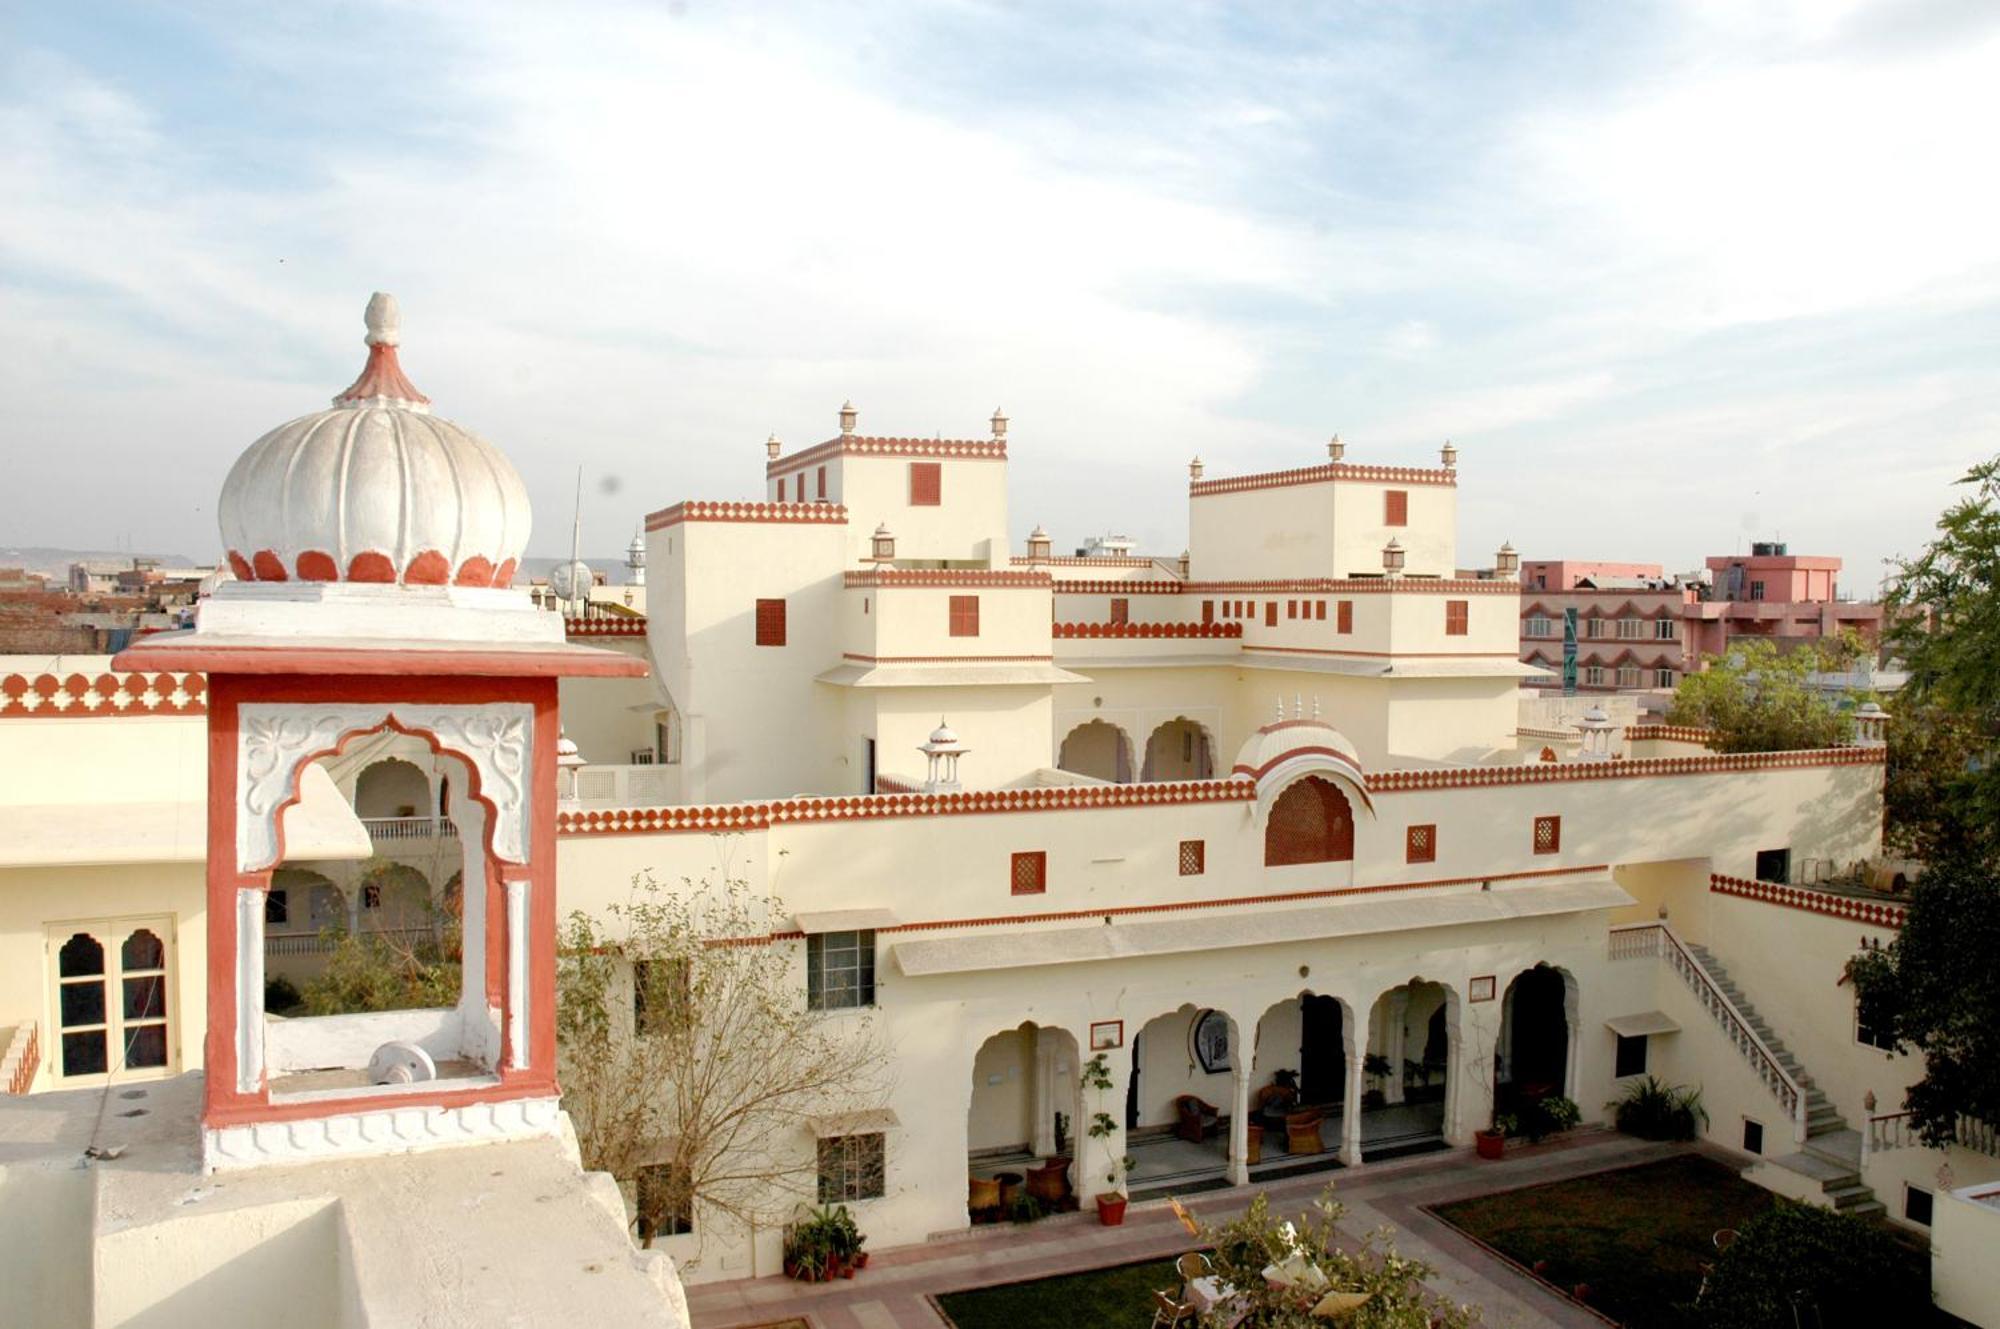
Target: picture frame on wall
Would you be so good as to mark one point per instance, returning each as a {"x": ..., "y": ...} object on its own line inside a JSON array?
[
  {"x": 1106, "y": 1035},
  {"x": 1210, "y": 1036},
  {"x": 1481, "y": 988}
]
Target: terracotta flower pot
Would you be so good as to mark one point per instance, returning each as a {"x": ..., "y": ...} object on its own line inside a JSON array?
[
  {"x": 1490, "y": 1144},
  {"x": 1111, "y": 1209}
]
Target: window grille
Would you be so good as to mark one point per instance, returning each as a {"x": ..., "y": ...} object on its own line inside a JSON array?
[
  {"x": 840, "y": 970},
  {"x": 1420, "y": 844},
  {"x": 1548, "y": 835},
  {"x": 851, "y": 1168},
  {"x": 1194, "y": 857},
  {"x": 1030, "y": 873}
]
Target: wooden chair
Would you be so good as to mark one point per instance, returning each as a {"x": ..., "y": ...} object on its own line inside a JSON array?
[
  {"x": 1302, "y": 1132},
  {"x": 983, "y": 1193},
  {"x": 1195, "y": 1120},
  {"x": 1167, "y": 1312},
  {"x": 1191, "y": 1266}
]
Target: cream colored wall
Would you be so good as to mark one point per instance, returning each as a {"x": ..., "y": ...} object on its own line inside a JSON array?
[
  {"x": 1443, "y": 719},
  {"x": 276, "y": 1263},
  {"x": 755, "y": 722},
  {"x": 1327, "y": 529},
  {"x": 968, "y": 526},
  {"x": 45, "y": 1243},
  {"x": 1006, "y": 727},
  {"x": 33, "y": 901},
  {"x": 1889, "y": 1171},
  {"x": 1003, "y": 1097},
  {"x": 598, "y": 714},
  {"x": 1965, "y": 1278},
  {"x": 105, "y": 761},
  {"x": 902, "y": 621},
  {"x": 1139, "y": 701},
  {"x": 1168, "y": 1068}
]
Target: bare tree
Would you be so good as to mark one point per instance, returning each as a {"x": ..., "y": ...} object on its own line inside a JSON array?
[{"x": 691, "y": 1064}]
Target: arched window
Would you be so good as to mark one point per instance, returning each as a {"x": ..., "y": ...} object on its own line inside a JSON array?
[{"x": 1310, "y": 823}]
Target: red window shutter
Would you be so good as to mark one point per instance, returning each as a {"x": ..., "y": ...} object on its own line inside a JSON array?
[
  {"x": 1319, "y": 610},
  {"x": 822, "y": 482},
  {"x": 1456, "y": 614},
  {"x": 1121, "y": 609},
  {"x": 1270, "y": 613},
  {"x": 1420, "y": 844},
  {"x": 770, "y": 622},
  {"x": 965, "y": 616},
  {"x": 926, "y": 484},
  {"x": 1343, "y": 616},
  {"x": 1194, "y": 857},
  {"x": 1291, "y": 609},
  {"x": 1208, "y": 611},
  {"x": 781, "y": 489},
  {"x": 1548, "y": 835},
  {"x": 1030, "y": 872},
  {"x": 1396, "y": 508}
]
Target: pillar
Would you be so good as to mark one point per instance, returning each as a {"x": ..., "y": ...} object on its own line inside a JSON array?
[
  {"x": 1350, "y": 1107},
  {"x": 1046, "y": 1100},
  {"x": 1398, "y": 1018},
  {"x": 1467, "y": 1112},
  {"x": 1239, "y": 1121},
  {"x": 1095, "y": 1157}
]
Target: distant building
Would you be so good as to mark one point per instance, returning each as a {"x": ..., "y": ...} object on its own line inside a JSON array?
[{"x": 1637, "y": 628}]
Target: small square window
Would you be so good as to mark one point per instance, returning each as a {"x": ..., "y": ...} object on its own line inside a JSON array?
[
  {"x": 926, "y": 484},
  {"x": 1291, "y": 609},
  {"x": 1031, "y": 873},
  {"x": 1548, "y": 835},
  {"x": 1420, "y": 844},
  {"x": 781, "y": 489},
  {"x": 1774, "y": 865},
  {"x": 1756, "y": 590},
  {"x": 1343, "y": 618},
  {"x": 850, "y": 1168},
  {"x": 665, "y": 1209},
  {"x": 1319, "y": 610},
  {"x": 277, "y": 908},
  {"x": 1917, "y": 1204},
  {"x": 840, "y": 970},
  {"x": 371, "y": 896},
  {"x": 1663, "y": 678},
  {"x": 1663, "y": 629},
  {"x": 965, "y": 616},
  {"x": 1753, "y": 1136},
  {"x": 770, "y": 622},
  {"x": 1631, "y": 1058},
  {"x": 1270, "y": 613},
  {"x": 1121, "y": 609},
  {"x": 821, "y": 482},
  {"x": 1396, "y": 508},
  {"x": 1457, "y": 617},
  {"x": 1194, "y": 857},
  {"x": 1208, "y": 611}
]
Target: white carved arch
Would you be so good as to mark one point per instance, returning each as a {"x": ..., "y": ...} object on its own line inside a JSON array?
[{"x": 274, "y": 739}]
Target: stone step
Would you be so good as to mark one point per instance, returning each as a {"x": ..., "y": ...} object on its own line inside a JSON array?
[
  {"x": 1869, "y": 1209},
  {"x": 1846, "y": 1197}
]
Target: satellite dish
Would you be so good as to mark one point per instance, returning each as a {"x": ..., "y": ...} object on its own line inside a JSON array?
[
  {"x": 572, "y": 580},
  {"x": 400, "y": 1063}
]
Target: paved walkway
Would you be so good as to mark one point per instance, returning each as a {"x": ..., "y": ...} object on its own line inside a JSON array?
[{"x": 893, "y": 1290}]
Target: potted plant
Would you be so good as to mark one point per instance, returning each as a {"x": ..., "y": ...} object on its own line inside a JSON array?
[
  {"x": 1492, "y": 1142},
  {"x": 1550, "y": 1115},
  {"x": 1375, "y": 1067},
  {"x": 1110, "y": 1204}
]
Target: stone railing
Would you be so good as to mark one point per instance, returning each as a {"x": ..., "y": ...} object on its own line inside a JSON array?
[
  {"x": 1147, "y": 631},
  {"x": 21, "y": 1057},
  {"x": 1893, "y": 1130},
  {"x": 408, "y": 828},
  {"x": 1625, "y": 944},
  {"x": 627, "y": 786},
  {"x": 323, "y": 943},
  {"x": 1668, "y": 733}
]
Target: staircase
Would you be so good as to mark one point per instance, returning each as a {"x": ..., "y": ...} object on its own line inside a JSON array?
[{"x": 1831, "y": 1152}]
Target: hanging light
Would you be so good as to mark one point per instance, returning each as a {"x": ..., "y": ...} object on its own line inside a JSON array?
[{"x": 1392, "y": 556}]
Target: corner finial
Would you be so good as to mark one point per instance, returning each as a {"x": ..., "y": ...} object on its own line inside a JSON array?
[
  {"x": 1335, "y": 449},
  {"x": 384, "y": 319},
  {"x": 772, "y": 447},
  {"x": 847, "y": 415},
  {"x": 999, "y": 423},
  {"x": 1194, "y": 469}
]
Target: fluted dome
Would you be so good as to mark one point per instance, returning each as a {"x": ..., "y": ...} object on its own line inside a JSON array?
[
  {"x": 375, "y": 489},
  {"x": 1287, "y": 740}
]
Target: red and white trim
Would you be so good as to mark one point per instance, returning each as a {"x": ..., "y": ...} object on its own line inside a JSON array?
[
  {"x": 1131, "y": 631},
  {"x": 946, "y": 659},
  {"x": 1314, "y": 475},
  {"x": 860, "y": 445},
  {"x": 1881, "y": 914},
  {"x": 75, "y": 696},
  {"x": 976, "y": 577},
  {"x": 693, "y": 510}
]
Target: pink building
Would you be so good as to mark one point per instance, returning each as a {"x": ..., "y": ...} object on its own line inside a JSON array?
[
  {"x": 1634, "y": 630},
  {"x": 1562, "y": 574}
]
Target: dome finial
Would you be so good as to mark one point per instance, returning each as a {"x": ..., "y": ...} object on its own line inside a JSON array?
[{"x": 385, "y": 320}]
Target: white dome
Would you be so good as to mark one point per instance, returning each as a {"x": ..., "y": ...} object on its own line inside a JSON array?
[
  {"x": 571, "y": 580},
  {"x": 1277, "y": 743},
  {"x": 375, "y": 489}
]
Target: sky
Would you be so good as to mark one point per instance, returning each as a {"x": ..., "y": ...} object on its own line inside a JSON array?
[{"x": 1672, "y": 276}]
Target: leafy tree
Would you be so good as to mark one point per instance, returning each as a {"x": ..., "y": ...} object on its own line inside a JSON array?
[
  {"x": 370, "y": 972},
  {"x": 1375, "y": 1287},
  {"x": 1760, "y": 699},
  {"x": 1796, "y": 1257},
  {"x": 690, "y": 1063},
  {"x": 1944, "y": 616},
  {"x": 1935, "y": 988}
]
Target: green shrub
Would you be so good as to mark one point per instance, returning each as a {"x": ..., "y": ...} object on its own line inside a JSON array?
[
  {"x": 1654, "y": 1110},
  {"x": 281, "y": 996},
  {"x": 1550, "y": 1115},
  {"x": 1797, "y": 1259}
]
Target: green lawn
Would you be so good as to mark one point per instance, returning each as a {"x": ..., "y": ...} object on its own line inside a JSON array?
[
  {"x": 1638, "y": 1236},
  {"x": 1101, "y": 1299}
]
